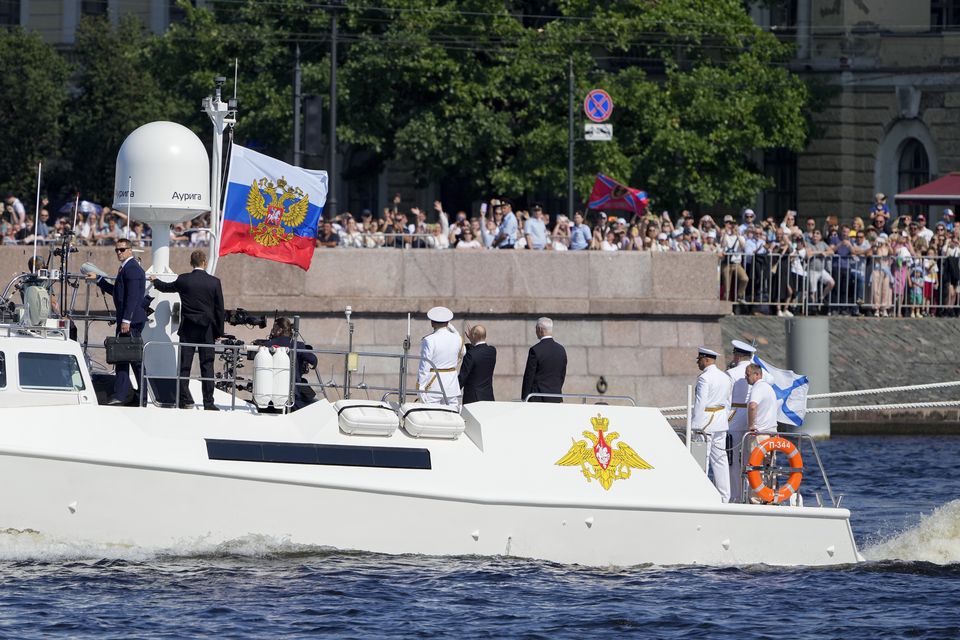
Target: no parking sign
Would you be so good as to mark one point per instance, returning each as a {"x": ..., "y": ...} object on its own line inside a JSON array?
[{"x": 598, "y": 105}]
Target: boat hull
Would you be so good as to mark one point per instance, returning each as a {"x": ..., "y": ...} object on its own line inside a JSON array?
[{"x": 120, "y": 486}]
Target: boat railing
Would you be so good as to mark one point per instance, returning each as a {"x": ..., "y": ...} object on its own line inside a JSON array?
[
  {"x": 233, "y": 354},
  {"x": 583, "y": 397},
  {"x": 10, "y": 330},
  {"x": 772, "y": 473}
]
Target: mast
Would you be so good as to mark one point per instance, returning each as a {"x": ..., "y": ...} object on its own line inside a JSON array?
[{"x": 222, "y": 114}]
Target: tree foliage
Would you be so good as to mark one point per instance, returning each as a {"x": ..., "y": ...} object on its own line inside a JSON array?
[
  {"x": 112, "y": 97},
  {"x": 31, "y": 102},
  {"x": 261, "y": 37},
  {"x": 480, "y": 91},
  {"x": 469, "y": 90}
]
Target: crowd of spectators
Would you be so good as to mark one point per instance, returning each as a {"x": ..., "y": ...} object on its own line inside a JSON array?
[
  {"x": 499, "y": 226},
  {"x": 873, "y": 264},
  {"x": 102, "y": 226},
  {"x": 876, "y": 264}
]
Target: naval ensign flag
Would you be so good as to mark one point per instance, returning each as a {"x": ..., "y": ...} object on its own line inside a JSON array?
[
  {"x": 791, "y": 390},
  {"x": 271, "y": 209}
]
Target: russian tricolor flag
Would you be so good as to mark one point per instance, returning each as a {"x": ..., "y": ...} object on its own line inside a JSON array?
[{"x": 271, "y": 209}]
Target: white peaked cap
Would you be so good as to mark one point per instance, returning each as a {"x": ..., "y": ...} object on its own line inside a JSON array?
[
  {"x": 743, "y": 347},
  {"x": 710, "y": 353},
  {"x": 440, "y": 314}
]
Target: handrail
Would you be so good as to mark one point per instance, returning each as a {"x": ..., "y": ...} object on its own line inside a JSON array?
[
  {"x": 248, "y": 348},
  {"x": 583, "y": 396}
]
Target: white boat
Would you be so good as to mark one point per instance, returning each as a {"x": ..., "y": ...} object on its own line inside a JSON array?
[
  {"x": 570, "y": 483},
  {"x": 512, "y": 478}
]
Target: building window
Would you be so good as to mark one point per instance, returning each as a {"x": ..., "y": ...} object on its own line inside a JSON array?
[
  {"x": 914, "y": 166},
  {"x": 178, "y": 13},
  {"x": 783, "y": 17},
  {"x": 9, "y": 13},
  {"x": 913, "y": 171},
  {"x": 93, "y": 7},
  {"x": 780, "y": 165},
  {"x": 944, "y": 15}
]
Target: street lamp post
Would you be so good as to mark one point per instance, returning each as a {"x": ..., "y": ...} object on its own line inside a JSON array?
[{"x": 331, "y": 207}]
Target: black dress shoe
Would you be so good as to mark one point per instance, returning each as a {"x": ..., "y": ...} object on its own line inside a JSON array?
[
  {"x": 113, "y": 402},
  {"x": 188, "y": 405},
  {"x": 211, "y": 407}
]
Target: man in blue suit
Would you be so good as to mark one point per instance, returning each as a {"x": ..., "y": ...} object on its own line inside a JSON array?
[{"x": 128, "y": 291}]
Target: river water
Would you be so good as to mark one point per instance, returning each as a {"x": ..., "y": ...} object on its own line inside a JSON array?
[{"x": 904, "y": 493}]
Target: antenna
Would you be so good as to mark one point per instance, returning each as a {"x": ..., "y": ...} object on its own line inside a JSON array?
[
  {"x": 129, "y": 191},
  {"x": 36, "y": 216}
]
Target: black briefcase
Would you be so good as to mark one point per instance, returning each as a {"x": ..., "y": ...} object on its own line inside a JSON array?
[{"x": 124, "y": 349}]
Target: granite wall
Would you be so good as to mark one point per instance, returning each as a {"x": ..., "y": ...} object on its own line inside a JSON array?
[{"x": 633, "y": 319}]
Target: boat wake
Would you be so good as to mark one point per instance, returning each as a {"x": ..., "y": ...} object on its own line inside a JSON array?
[
  {"x": 935, "y": 539},
  {"x": 32, "y": 546}
]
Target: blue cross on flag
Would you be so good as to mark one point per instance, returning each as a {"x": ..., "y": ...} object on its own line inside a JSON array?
[{"x": 791, "y": 390}]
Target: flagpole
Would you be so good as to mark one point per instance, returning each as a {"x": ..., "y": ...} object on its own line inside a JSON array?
[
  {"x": 570, "y": 142},
  {"x": 221, "y": 114},
  {"x": 36, "y": 216}
]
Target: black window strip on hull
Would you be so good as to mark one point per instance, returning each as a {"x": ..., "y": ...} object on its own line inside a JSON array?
[{"x": 320, "y": 454}]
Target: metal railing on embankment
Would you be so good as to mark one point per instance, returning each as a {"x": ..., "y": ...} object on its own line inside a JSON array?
[{"x": 802, "y": 284}]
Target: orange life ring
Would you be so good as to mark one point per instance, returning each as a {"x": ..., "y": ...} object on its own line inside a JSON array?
[{"x": 765, "y": 493}]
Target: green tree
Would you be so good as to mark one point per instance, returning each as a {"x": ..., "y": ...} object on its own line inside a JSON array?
[
  {"x": 31, "y": 103},
  {"x": 262, "y": 37},
  {"x": 113, "y": 96},
  {"x": 478, "y": 91}
]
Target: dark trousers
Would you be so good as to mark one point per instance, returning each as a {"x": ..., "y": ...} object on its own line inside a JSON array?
[
  {"x": 121, "y": 383},
  {"x": 197, "y": 334}
]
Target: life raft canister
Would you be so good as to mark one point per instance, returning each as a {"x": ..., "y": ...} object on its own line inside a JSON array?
[{"x": 754, "y": 477}]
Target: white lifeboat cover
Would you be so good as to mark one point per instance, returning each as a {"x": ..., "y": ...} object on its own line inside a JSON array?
[
  {"x": 425, "y": 420},
  {"x": 366, "y": 417}
]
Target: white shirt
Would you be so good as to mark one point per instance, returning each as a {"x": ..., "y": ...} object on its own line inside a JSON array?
[
  {"x": 741, "y": 390},
  {"x": 713, "y": 400},
  {"x": 763, "y": 395}
]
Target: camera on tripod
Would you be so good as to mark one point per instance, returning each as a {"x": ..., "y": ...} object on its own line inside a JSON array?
[
  {"x": 238, "y": 317},
  {"x": 232, "y": 362}
]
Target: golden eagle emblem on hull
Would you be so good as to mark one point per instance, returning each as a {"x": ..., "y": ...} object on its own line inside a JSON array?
[
  {"x": 280, "y": 207},
  {"x": 598, "y": 460}
]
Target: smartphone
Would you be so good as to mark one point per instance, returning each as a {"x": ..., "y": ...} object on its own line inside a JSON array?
[{"x": 483, "y": 208}]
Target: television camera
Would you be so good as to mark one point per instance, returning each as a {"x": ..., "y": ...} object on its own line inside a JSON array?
[{"x": 241, "y": 317}]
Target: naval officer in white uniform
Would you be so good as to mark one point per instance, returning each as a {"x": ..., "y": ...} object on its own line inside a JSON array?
[
  {"x": 441, "y": 352},
  {"x": 710, "y": 416}
]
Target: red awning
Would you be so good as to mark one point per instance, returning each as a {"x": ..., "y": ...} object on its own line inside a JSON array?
[{"x": 945, "y": 190}]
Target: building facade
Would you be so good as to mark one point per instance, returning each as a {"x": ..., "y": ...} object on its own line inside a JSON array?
[{"x": 891, "y": 114}]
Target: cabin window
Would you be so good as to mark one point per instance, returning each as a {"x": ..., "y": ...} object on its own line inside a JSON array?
[
  {"x": 56, "y": 371},
  {"x": 3, "y": 371}
]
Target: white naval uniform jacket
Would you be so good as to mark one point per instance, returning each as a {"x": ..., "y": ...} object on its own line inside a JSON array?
[
  {"x": 741, "y": 391},
  {"x": 712, "y": 403},
  {"x": 444, "y": 349}
]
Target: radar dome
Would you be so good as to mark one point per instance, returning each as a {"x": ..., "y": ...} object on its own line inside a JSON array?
[{"x": 163, "y": 174}]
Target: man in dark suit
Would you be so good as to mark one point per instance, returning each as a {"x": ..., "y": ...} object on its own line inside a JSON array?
[
  {"x": 127, "y": 290},
  {"x": 476, "y": 370},
  {"x": 201, "y": 322},
  {"x": 546, "y": 365}
]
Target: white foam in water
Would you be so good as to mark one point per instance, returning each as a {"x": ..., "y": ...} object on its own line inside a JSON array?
[
  {"x": 16, "y": 545},
  {"x": 935, "y": 539}
]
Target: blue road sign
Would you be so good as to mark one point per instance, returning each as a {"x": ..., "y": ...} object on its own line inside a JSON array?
[{"x": 598, "y": 106}]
